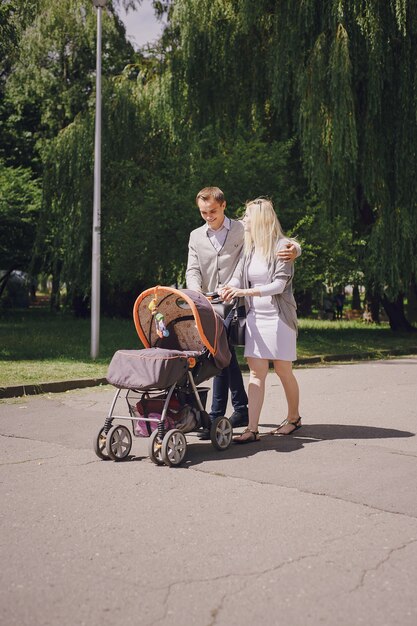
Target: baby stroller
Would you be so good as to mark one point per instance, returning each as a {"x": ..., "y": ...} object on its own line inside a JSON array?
[{"x": 185, "y": 344}]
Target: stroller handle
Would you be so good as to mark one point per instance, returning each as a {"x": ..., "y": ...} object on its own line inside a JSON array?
[
  {"x": 213, "y": 296},
  {"x": 221, "y": 307}
]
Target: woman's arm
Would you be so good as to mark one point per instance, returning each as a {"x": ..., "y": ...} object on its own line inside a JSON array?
[
  {"x": 282, "y": 273},
  {"x": 231, "y": 291}
]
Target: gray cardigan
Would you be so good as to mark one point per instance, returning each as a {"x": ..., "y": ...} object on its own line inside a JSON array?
[
  {"x": 285, "y": 301},
  {"x": 207, "y": 269}
]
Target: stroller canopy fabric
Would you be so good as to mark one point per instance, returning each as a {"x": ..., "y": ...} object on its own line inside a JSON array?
[
  {"x": 147, "y": 369},
  {"x": 188, "y": 319}
]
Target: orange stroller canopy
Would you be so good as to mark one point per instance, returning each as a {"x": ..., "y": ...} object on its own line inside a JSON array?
[{"x": 188, "y": 317}]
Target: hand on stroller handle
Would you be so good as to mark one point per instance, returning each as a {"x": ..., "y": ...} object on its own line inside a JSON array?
[
  {"x": 229, "y": 293},
  {"x": 216, "y": 297},
  {"x": 212, "y": 295}
]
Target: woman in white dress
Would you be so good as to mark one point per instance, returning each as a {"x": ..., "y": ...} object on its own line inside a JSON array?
[{"x": 265, "y": 281}]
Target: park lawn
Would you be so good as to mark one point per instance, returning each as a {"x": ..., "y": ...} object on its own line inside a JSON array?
[
  {"x": 325, "y": 338},
  {"x": 37, "y": 346}
]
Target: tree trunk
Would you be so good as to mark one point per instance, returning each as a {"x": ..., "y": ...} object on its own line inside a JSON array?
[
  {"x": 304, "y": 303},
  {"x": 55, "y": 301},
  {"x": 3, "y": 281},
  {"x": 80, "y": 304},
  {"x": 395, "y": 311},
  {"x": 373, "y": 302},
  {"x": 412, "y": 301},
  {"x": 356, "y": 299}
]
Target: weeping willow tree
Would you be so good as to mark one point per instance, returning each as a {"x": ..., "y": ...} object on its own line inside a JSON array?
[
  {"x": 50, "y": 83},
  {"x": 153, "y": 161},
  {"x": 68, "y": 190},
  {"x": 340, "y": 76},
  {"x": 149, "y": 183}
]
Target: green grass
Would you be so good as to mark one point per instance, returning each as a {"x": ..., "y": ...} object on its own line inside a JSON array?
[
  {"x": 317, "y": 337},
  {"x": 37, "y": 346}
]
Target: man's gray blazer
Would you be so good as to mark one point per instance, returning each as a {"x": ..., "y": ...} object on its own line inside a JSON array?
[{"x": 208, "y": 269}]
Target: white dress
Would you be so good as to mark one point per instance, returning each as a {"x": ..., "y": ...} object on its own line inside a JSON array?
[{"x": 267, "y": 337}]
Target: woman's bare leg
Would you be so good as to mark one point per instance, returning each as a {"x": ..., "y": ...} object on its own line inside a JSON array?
[
  {"x": 256, "y": 390},
  {"x": 256, "y": 393},
  {"x": 292, "y": 394}
]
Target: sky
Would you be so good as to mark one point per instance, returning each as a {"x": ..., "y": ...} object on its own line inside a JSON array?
[{"x": 141, "y": 25}]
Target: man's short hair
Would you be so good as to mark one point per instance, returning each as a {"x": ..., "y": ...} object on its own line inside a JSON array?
[{"x": 210, "y": 192}]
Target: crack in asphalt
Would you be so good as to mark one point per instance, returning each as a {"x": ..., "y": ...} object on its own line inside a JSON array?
[
  {"x": 41, "y": 458},
  {"x": 248, "y": 576},
  {"x": 376, "y": 567},
  {"x": 50, "y": 443},
  {"x": 306, "y": 491},
  {"x": 19, "y": 437},
  {"x": 399, "y": 453},
  {"x": 249, "y": 480},
  {"x": 216, "y": 610}
]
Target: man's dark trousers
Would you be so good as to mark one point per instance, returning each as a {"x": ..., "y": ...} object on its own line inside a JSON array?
[{"x": 229, "y": 378}]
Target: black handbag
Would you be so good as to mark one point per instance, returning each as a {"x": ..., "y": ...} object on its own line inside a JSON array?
[{"x": 237, "y": 327}]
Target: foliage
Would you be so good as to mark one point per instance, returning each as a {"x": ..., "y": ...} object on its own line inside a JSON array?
[
  {"x": 312, "y": 104},
  {"x": 15, "y": 16},
  {"x": 148, "y": 191},
  {"x": 20, "y": 198},
  {"x": 331, "y": 257},
  {"x": 53, "y": 75},
  {"x": 341, "y": 77},
  {"x": 51, "y": 82}
]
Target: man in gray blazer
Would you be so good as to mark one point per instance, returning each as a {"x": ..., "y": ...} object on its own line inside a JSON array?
[{"x": 213, "y": 253}]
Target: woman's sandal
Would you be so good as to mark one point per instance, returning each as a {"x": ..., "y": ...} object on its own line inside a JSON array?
[
  {"x": 253, "y": 436},
  {"x": 297, "y": 425}
]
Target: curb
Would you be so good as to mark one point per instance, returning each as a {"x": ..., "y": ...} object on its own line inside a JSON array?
[
  {"x": 66, "y": 385},
  {"x": 52, "y": 387},
  {"x": 347, "y": 358}
]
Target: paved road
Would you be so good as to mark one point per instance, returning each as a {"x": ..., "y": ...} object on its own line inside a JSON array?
[{"x": 317, "y": 529}]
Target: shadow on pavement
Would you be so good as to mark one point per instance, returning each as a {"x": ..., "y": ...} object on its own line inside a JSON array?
[
  {"x": 347, "y": 431},
  {"x": 199, "y": 452},
  {"x": 314, "y": 433}
]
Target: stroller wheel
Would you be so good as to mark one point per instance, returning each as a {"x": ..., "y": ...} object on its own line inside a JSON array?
[
  {"x": 155, "y": 448},
  {"x": 118, "y": 442},
  {"x": 221, "y": 433},
  {"x": 174, "y": 447},
  {"x": 100, "y": 445}
]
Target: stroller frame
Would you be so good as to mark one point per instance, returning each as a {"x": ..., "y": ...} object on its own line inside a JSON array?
[{"x": 166, "y": 445}]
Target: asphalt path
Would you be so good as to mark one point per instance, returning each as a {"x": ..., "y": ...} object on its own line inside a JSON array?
[{"x": 314, "y": 529}]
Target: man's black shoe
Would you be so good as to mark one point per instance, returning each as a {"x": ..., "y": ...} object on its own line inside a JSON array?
[
  {"x": 238, "y": 419},
  {"x": 204, "y": 434}
]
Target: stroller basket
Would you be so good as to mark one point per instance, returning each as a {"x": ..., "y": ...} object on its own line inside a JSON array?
[{"x": 146, "y": 409}]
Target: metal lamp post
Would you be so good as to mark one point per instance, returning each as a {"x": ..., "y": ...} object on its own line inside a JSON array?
[{"x": 96, "y": 254}]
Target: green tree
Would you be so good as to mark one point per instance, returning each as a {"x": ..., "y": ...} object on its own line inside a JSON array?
[
  {"x": 20, "y": 198},
  {"x": 50, "y": 83},
  {"x": 149, "y": 184},
  {"x": 53, "y": 76},
  {"x": 340, "y": 76},
  {"x": 331, "y": 256},
  {"x": 15, "y": 16}
]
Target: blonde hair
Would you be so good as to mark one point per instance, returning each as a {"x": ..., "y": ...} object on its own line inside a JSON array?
[{"x": 265, "y": 229}]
